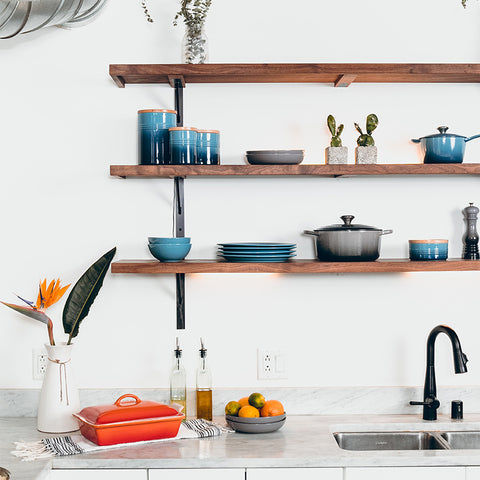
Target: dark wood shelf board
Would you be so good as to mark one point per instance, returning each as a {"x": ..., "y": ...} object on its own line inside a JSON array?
[
  {"x": 340, "y": 74},
  {"x": 293, "y": 266},
  {"x": 170, "y": 171}
]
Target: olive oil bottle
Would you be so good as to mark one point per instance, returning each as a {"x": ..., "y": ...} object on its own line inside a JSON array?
[
  {"x": 178, "y": 381},
  {"x": 204, "y": 386}
]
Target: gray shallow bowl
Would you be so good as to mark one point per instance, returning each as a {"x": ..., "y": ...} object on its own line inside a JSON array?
[
  {"x": 276, "y": 418},
  {"x": 243, "y": 427},
  {"x": 275, "y": 157}
]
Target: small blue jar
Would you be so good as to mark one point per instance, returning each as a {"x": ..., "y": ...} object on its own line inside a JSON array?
[
  {"x": 153, "y": 139},
  {"x": 428, "y": 249},
  {"x": 183, "y": 145},
  {"x": 208, "y": 147}
]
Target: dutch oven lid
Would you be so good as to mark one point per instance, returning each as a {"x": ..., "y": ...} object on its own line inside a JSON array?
[
  {"x": 443, "y": 134},
  {"x": 123, "y": 410},
  {"x": 347, "y": 225}
]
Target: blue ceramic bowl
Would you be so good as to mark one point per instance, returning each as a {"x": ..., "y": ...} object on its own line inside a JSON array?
[
  {"x": 428, "y": 249},
  {"x": 168, "y": 240},
  {"x": 170, "y": 253}
]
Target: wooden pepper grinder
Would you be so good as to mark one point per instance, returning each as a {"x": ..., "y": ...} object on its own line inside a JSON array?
[{"x": 471, "y": 237}]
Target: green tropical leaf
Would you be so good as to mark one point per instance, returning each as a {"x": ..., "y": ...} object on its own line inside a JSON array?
[{"x": 84, "y": 293}]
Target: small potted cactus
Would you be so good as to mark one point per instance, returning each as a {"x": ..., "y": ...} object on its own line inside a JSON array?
[
  {"x": 335, "y": 154},
  {"x": 366, "y": 151}
]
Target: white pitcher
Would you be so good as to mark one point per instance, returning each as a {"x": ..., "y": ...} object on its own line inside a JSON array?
[{"x": 59, "y": 397}]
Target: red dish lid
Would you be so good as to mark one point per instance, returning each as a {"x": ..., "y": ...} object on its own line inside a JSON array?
[{"x": 122, "y": 411}]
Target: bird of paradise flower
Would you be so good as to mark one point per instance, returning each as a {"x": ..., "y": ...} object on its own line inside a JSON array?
[{"x": 78, "y": 302}]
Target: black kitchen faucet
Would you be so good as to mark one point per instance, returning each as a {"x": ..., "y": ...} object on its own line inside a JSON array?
[{"x": 430, "y": 402}]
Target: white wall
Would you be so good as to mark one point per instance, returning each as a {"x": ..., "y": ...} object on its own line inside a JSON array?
[{"x": 63, "y": 122}]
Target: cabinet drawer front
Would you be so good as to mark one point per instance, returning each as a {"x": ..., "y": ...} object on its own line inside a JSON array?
[
  {"x": 473, "y": 473},
  {"x": 99, "y": 474},
  {"x": 197, "y": 474},
  {"x": 294, "y": 473},
  {"x": 404, "y": 473}
]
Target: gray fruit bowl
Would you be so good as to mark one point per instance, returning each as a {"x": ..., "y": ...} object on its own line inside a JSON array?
[{"x": 256, "y": 425}]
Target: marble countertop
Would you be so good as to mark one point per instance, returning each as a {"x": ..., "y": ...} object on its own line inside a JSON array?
[{"x": 304, "y": 441}]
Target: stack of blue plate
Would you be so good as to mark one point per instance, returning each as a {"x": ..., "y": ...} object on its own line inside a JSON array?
[{"x": 256, "y": 252}]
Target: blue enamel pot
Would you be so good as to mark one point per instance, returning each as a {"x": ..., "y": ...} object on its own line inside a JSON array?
[{"x": 443, "y": 147}]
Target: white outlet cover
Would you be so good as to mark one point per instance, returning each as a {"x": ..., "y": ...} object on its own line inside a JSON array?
[
  {"x": 271, "y": 364},
  {"x": 39, "y": 363}
]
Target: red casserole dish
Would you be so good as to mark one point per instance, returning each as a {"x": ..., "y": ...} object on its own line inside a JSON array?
[{"x": 129, "y": 421}]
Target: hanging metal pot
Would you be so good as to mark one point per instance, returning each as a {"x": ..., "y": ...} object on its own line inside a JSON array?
[
  {"x": 443, "y": 147},
  {"x": 347, "y": 242}
]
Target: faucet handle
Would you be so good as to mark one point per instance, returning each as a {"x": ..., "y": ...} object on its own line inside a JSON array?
[{"x": 429, "y": 402}]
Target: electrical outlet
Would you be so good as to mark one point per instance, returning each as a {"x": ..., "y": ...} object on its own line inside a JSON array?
[
  {"x": 271, "y": 364},
  {"x": 39, "y": 363}
]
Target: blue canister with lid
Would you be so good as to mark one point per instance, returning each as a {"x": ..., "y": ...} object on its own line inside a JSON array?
[
  {"x": 183, "y": 145},
  {"x": 153, "y": 139},
  {"x": 208, "y": 147}
]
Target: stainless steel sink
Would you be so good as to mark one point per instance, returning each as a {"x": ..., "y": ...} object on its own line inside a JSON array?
[
  {"x": 391, "y": 441},
  {"x": 465, "y": 440}
]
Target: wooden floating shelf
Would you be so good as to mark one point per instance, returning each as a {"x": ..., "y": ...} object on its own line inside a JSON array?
[
  {"x": 171, "y": 171},
  {"x": 338, "y": 74},
  {"x": 293, "y": 266}
]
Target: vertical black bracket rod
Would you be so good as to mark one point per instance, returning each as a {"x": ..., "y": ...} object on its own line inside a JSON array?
[
  {"x": 179, "y": 101},
  {"x": 179, "y": 213}
]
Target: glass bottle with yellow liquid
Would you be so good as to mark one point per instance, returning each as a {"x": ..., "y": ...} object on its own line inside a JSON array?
[
  {"x": 178, "y": 381},
  {"x": 204, "y": 386}
]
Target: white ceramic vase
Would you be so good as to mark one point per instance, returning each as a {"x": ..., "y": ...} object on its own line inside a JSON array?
[{"x": 59, "y": 397}]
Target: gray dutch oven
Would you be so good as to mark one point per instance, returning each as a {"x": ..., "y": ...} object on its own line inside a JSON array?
[
  {"x": 443, "y": 147},
  {"x": 347, "y": 242}
]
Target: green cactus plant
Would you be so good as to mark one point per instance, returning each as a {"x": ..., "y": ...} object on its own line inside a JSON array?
[
  {"x": 336, "y": 132},
  {"x": 366, "y": 139}
]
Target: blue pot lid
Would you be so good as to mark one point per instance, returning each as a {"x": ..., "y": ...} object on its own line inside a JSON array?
[{"x": 443, "y": 134}]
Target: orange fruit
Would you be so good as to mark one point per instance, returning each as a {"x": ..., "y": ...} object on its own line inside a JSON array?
[
  {"x": 232, "y": 408},
  {"x": 243, "y": 402},
  {"x": 248, "y": 412},
  {"x": 272, "y": 408},
  {"x": 256, "y": 400}
]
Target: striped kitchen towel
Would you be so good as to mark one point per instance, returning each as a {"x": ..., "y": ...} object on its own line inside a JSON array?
[{"x": 74, "y": 444}]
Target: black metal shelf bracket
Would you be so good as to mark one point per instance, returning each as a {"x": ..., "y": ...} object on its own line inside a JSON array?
[{"x": 179, "y": 212}]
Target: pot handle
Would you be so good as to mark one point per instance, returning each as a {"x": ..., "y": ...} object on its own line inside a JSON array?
[
  {"x": 416, "y": 140},
  {"x": 309, "y": 232},
  {"x": 471, "y": 138},
  {"x": 386, "y": 232}
]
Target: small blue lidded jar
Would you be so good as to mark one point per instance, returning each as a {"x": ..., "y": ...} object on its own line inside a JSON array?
[
  {"x": 428, "y": 249},
  {"x": 208, "y": 147},
  {"x": 153, "y": 139},
  {"x": 183, "y": 145}
]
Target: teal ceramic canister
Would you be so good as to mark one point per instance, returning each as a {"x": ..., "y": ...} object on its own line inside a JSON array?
[
  {"x": 153, "y": 138},
  {"x": 183, "y": 145},
  {"x": 208, "y": 147},
  {"x": 428, "y": 249}
]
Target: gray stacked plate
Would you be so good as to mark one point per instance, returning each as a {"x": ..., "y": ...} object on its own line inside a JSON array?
[
  {"x": 256, "y": 252},
  {"x": 275, "y": 157}
]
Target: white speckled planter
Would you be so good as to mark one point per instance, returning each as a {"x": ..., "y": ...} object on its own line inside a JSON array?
[
  {"x": 366, "y": 155},
  {"x": 336, "y": 155}
]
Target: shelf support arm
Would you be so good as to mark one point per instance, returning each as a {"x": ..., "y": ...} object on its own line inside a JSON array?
[{"x": 179, "y": 211}]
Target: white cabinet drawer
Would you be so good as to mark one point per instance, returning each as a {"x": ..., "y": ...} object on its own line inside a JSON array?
[
  {"x": 405, "y": 473},
  {"x": 197, "y": 474},
  {"x": 294, "y": 473},
  {"x": 473, "y": 473},
  {"x": 99, "y": 474}
]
